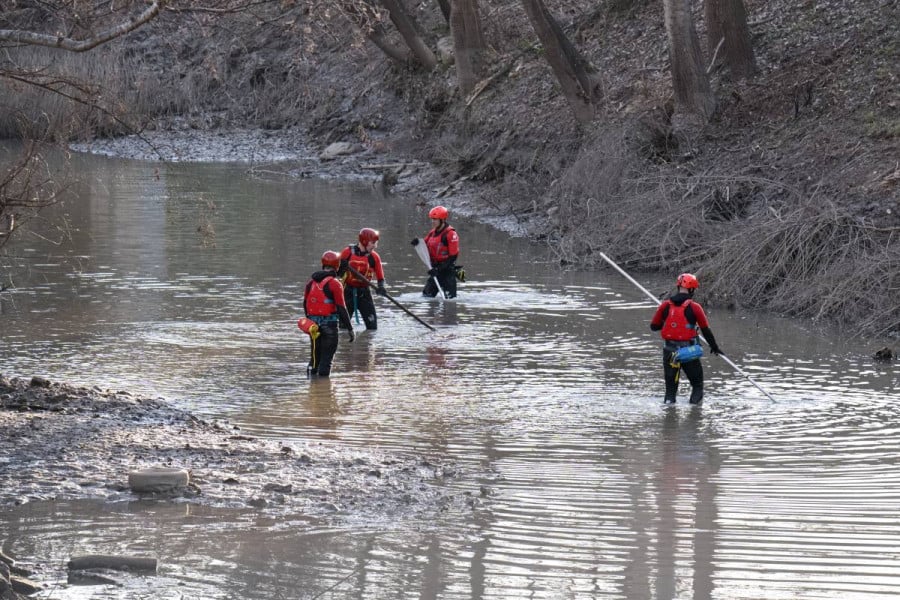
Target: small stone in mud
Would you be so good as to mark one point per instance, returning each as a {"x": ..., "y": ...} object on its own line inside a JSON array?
[
  {"x": 39, "y": 382},
  {"x": 280, "y": 488},
  {"x": 884, "y": 355}
]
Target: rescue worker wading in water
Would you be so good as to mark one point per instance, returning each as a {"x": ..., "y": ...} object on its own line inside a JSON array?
[
  {"x": 677, "y": 319},
  {"x": 364, "y": 259},
  {"x": 323, "y": 302},
  {"x": 443, "y": 249}
]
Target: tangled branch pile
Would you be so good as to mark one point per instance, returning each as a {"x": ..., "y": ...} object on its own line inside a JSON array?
[{"x": 758, "y": 242}]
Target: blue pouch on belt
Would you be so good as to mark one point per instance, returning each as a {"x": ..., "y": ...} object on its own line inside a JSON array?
[{"x": 689, "y": 353}]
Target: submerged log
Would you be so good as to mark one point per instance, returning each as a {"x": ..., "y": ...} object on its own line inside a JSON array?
[
  {"x": 90, "y": 578},
  {"x": 139, "y": 564}
]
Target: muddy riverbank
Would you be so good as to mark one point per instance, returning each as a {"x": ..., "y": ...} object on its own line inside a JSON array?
[{"x": 67, "y": 442}]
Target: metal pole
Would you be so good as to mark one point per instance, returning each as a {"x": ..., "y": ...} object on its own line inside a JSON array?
[
  {"x": 400, "y": 306},
  {"x": 656, "y": 300}
]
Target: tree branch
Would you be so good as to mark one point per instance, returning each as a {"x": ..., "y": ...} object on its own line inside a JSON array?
[{"x": 54, "y": 41}]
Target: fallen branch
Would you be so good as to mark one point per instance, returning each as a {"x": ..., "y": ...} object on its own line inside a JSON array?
[
  {"x": 715, "y": 55},
  {"x": 453, "y": 185},
  {"x": 397, "y": 165}
]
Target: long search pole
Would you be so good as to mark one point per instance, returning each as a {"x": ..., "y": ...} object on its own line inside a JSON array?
[
  {"x": 400, "y": 306},
  {"x": 656, "y": 300}
]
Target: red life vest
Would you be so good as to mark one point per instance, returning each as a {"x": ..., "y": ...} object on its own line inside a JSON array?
[
  {"x": 364, "y": 263},
  {"x": 676, "y": 326},
  {"x": 441, "y": 245},
  {"x": 319, "y": 298}
]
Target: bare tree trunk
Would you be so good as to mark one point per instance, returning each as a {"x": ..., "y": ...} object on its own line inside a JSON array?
[
  {"x": 398, "y": 54},
  {"x": 727, "y": 20},
  {"x": 375, "y": 32},
  {"x": 575, "y": 75},
  {"x": 445, "y": 8},
  {"x": 693, "y": 96},
  {"x": 468, "y": 43},
  {"x": 404, "y": 24}
]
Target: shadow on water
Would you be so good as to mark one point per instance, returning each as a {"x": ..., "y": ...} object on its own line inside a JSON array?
[{"x": 544, "y": 384}]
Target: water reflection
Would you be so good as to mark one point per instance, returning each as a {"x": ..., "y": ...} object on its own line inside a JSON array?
[
  {"x": 686, "y": 480},
  {"x": 314, "y": 405},
  {"x": 545, "y": 384}
]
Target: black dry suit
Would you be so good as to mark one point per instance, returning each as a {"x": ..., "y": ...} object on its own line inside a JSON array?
[{"x": 694, "y": 368}]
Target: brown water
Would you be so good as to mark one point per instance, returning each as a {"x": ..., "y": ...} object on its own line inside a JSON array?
[{"x": 543, "y": 386}]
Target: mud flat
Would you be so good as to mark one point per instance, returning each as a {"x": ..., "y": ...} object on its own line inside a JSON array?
[{"x": 64, "y": 442}]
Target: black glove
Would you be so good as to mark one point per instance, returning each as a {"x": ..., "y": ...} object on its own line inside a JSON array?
[
  {"x": 380, "y": 289},
  {"x": 415, "y": 242},
  {"x": 351, "y": 335},
  {"x": 711, "y": 340},
  {"x": 433, "y": 272}
]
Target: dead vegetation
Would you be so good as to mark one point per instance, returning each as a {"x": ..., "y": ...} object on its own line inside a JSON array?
[
  {"x": 757, "y": 242},
  {"x": 814, "y": 260}
]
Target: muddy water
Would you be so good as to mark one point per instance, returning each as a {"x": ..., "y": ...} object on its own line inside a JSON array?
[{"x": 543, "y": 386}]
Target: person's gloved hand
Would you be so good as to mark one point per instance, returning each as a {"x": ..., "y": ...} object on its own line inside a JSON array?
[
  {"x": 351, "y": 335},
  {"x": 433, "y": 272},
  {"x": 714, "y": 349},
  {"x": 414, "y": 242},
  {"x": 380, "y": 289}
]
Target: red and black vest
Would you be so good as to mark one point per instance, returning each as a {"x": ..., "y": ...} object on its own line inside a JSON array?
[
  {"x": 364, "y": 263},
  {"x": 438, "y": 244},
  {"x": 320, "y": 298},
  {"x": 679, "y": 323}
]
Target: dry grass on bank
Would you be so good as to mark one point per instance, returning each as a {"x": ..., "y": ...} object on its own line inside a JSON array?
[
  {"x": 813, "y": 260},
  {"x": 797, "y": 253},
  {"x": 69, "y": 96}
]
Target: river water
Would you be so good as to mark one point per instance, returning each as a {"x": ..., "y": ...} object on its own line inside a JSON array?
[{"x": 545, "y": 386}]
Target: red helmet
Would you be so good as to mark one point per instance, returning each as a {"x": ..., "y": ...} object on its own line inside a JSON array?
[
  {"x": 367, "y": 235},
  {"x": 687, "y": 281},
  {"x": 438, "y": 212},
  {"x": 331, "y": 259}
]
